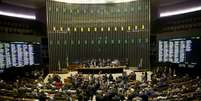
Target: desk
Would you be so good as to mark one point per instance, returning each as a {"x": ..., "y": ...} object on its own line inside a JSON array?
[{"x": 103, "y": 70}]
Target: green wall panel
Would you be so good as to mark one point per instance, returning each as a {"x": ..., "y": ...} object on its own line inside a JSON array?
[{"x": 84, "y": 31}]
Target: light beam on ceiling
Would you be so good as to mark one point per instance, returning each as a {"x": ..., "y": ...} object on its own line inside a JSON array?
[
  {"x": 18, "y": 15},
  {"x": 177, "y": 12},
  {"x": 93, "y": 1}
]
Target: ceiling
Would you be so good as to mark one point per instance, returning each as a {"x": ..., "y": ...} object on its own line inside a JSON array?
[
  {"x": 173, "y": 5},
  {"x": 41, "y": 3},
  {"x": 172, "y": 2},
  {"x": 165, "y": 5},
  {"x": 33, "y": 4}
]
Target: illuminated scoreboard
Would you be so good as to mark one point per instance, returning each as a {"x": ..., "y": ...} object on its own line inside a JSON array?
[
  {"x": 160, "y": 58},
  {"x": 31, "y": 56},
  {"x": 180, "y": 50},
  {"x": 176, "y": 51},
  {"x": 166, "y": 50},
  {"x": 2, "y": 63},
  {"x": 188, "y": 45},
  {"x": 171, "y": 51},
  {"x": 14, "y": 55},
  {"x": 7, "y": 54},
  {"x": 18, "y": 54},
  {"x": 25, "y": 54}
]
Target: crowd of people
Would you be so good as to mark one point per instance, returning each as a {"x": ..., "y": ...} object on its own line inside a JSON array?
[
  {"x": 163, "y": 85},
  {"x": 100, "y": 63},
  {"x": 17, "y": 83}
]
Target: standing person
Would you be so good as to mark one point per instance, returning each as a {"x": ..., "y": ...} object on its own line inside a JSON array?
[
  {"x": 132, "y": 76},
  {"x": 58, "y": 84},
  {"x": 79, "y": 94},
  {"x": 125, "y": 79},
  {"x": 42, "y": 96},
  {"x": 144, "y": 96},
  {"x": 116, "y": 98},
  {"x": 127, "y": 63},
  {"x": 90, "y": 91},
  {"x": 68, "y": 97},
  {"x": 145, "y": 76},
  {"x": 99, "y": 97},
  {"x": 110, "y": 77},
  {"x": 50, "y": 79},
  {"x": 105, "y": 77}
]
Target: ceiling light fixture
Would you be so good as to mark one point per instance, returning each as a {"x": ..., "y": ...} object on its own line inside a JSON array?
[
  {"x": 177, "y": 12},
  {"x": 93, "y": 1},
  {"x": 18, "y": 15}
]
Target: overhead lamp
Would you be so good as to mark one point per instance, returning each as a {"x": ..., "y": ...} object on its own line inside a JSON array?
[
  {"x": 181, "y": 11},
  {"x": 94, "y": 1},
  {"x": 18, "y": 15}
]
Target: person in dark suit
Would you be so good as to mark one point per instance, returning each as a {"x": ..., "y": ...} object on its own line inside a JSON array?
[
  {"x": 105, "y": 78},
  {"x": 68, "y": 96},
  {"x": 145, "y": 76},
  {"x": 86, "y": 96},
  {"x": 42, "y": 96},
  {"x": 90, "y": 91},
  {"x": 99, "y": 97},
  {"x": 132, "y": 76},
  {"x": 125, "y": 80},
  {"x": 79, "y": 94},
  {"x": 127, "y": 63},
  {"x": 116, "y": 98},
  {"x": 107, "y": 97},
  {"x": 110, "y": 77},
  {"x": 144, "y": 96}
]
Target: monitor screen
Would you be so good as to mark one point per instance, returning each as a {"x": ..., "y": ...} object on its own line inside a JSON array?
[
  {"x": 19, "y": 54},
  {"x": 183, "y": 51}
]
